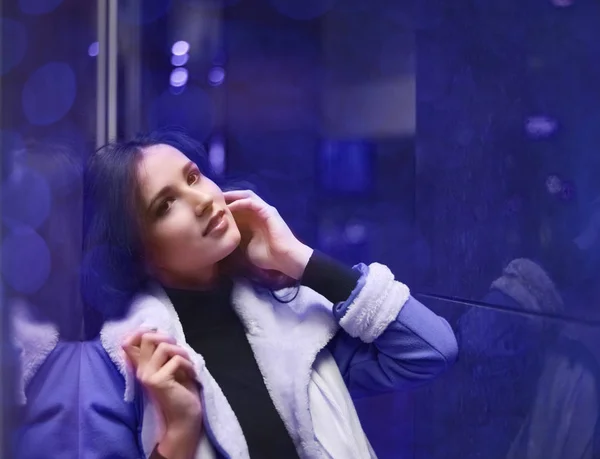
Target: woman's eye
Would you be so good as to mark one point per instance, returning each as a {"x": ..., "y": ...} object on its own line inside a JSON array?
[
  {"x": 164, "y": 207},
  {"x": 193, "y": 178}
]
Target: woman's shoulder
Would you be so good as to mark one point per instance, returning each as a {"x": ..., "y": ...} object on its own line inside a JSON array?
[{"x": 74, "y": 405}]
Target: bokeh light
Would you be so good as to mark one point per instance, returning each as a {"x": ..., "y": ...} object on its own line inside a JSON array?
[
  {"x": 93, "y": 49},
  {"x": 25, "y": 261},
  {"x": 216, "y": 155},
  {"x": 553, "y": 184},
  {"x": 562, "y": 3},
  {"x": 38, "y": 6},
  {"x": 49, "y": 93},
  {"x": 355, "y": 233},
  {"x": 13, "y": 46},
  {"x": 540, "y": 126},
  {"x": 25, "y": 198},
  {"x": 179, "y": 77},
  {"x": 216, "y": 76},
  {"x": 180, "y": 48}
]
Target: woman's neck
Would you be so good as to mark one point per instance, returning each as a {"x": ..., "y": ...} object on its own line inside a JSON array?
[{"x": 205, "y": 281}]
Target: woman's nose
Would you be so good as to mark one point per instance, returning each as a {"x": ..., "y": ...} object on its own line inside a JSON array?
[{"x": 202, "y": 202}]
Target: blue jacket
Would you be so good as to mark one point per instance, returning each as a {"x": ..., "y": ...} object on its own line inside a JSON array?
[{"x": 75, "y": 404}]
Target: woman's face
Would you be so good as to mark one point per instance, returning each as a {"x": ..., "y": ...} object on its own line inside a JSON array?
[{"x": 187, "y": 227}]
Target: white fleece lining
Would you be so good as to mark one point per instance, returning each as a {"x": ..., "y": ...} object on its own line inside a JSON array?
[
  {"x": 285, "y": 345},
  {"x": 33, "y": 340},
  {"x": 285, "y": 339},
  {"x": 376, "y": 305}
]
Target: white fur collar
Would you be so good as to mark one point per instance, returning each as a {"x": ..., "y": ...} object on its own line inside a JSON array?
[{"x": 285, "y": 339}]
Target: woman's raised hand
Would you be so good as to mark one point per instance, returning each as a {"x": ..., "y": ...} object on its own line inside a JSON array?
[{"x": 165, "y": 371}]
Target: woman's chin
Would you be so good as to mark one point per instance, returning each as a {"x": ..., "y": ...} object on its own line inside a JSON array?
[{"x": 231, "y": 241}]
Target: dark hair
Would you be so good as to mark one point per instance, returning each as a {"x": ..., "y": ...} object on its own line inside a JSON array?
[{"x": 114, "y": 268}]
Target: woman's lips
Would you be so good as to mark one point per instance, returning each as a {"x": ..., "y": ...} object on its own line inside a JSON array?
[{"x": 216, "y": 224}]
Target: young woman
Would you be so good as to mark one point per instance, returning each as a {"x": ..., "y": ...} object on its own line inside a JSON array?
[{"x": 217, "y": 360}]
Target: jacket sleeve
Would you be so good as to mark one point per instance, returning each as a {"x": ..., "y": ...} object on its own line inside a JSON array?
[
  {"x": 388, "y": 340},
  {"x": 75, "y": 408}
]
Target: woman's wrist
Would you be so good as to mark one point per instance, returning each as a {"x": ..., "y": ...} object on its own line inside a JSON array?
[
  {"x": 295, "y": 260},
  {"x": 180, "y": 442}
]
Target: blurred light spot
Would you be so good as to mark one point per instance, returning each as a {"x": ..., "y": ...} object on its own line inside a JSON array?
[
  {"x": 180, "y": 48},
  {"x": 562, "y": 3},
  {"x": 25, "y": 261},
  {"x": 553, "y": 184},
  {"x": 302, "y": 9},
  {"x": 143, "y": 12},
  {"x": 49, "y": 93},
  {"x": 540, "y": 126},
  {"x": 191, "y": 110},
  {"x": 25, "y": 199},
  {"x": 13, "y": 46},
  {"x": 93, "y": 49},
  {"x": 179, "y": 77},
  {"x": 38, "y": 6},
  {"x": 216, "y": 155},
  {"x": 179, "y": 59},
  {"x": 355, "y": 233},
  {"x": 216, "y": 76}
]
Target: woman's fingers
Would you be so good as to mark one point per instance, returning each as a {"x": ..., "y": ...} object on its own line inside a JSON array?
[
  {"x": 162, "y": 354},
  {"x": 150, "y": 351},
  {"x": 150, "y": 342},
  {"x": 135, "y": 338},
  {"x": 254, "y": 205},
  {"x": 175, "y": 366},
  {"x": 245, "y": 204},
  {"x": 140, "y": 345},
  {"x": 238, "y": 195},
  {"x": 234, "y": 195}
]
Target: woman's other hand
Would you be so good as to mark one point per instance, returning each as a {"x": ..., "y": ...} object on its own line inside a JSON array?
[
  {"x": 266, "y": 238},
  {"x": 167, "y": 374}
]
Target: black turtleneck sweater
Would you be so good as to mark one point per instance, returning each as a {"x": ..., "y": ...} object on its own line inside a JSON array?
[{"x": 213, "y": 329}]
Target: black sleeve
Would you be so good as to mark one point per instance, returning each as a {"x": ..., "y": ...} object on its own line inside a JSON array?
[{"x": 329, "y": 277}]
